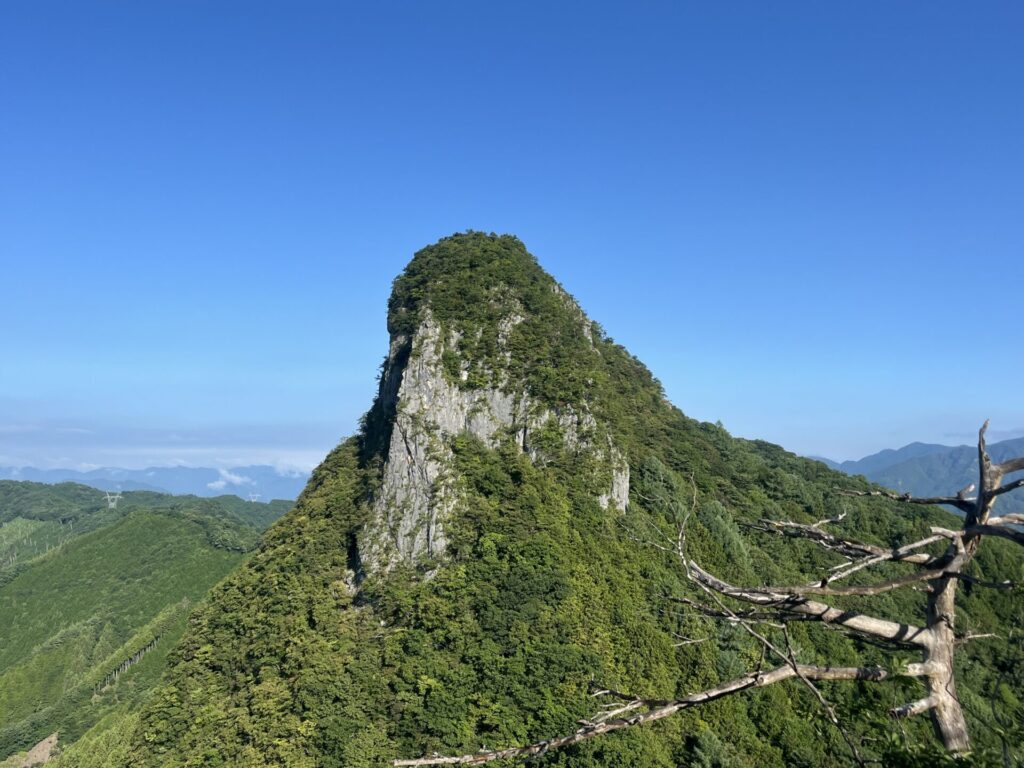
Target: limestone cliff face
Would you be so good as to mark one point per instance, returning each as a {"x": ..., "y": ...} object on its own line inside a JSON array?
[{"x": 419, "y": 492}]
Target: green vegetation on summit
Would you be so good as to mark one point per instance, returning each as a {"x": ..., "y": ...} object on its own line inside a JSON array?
[
  {"x": 459, "y": 572},
  {"x": 92, "y": 598}
]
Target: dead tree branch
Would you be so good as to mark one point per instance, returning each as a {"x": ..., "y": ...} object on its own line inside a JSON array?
[
  {"x": 774, "y": 607},
  {"x": 656, "y": 710},
  {"x": 956, "y": 501}
]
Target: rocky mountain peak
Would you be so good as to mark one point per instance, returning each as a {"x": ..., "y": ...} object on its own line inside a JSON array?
[{"x": 483, "y": 343}]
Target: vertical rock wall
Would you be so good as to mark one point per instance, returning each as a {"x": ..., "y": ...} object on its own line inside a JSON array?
[{"x": 418, "y": 492}]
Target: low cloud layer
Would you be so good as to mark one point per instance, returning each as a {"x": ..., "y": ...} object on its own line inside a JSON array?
[{"x": 46, "y": 445}]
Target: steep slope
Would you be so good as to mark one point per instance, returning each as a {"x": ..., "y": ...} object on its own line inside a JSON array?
[
  {"x": 93, "y": 598},
  {"x": 460, "y": 571}
]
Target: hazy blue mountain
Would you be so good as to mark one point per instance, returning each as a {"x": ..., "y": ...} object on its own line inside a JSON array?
[
  {"x": 264, "y": 481},
  {"x": 882, "y": 460},
  {"x": 931, "y": 470},
  {"x": 827, "y": 462}
]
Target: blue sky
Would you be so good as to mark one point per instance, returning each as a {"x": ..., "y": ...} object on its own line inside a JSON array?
[{"x": 806, "y": 218}]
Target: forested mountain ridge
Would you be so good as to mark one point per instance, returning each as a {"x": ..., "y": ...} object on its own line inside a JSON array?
[
  {"x": 36, "y": 517},
  {"x": 93, "y": 597},
  {"x": 263, "y": 481},
  {"x": 460, "y": 571},
  {"x": 932, "y": 470},
  {"x": 884, "y": 458}
]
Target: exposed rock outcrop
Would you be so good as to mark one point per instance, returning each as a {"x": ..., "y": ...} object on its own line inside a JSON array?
[
  {"x": 418, "y": 493},
  {"x": 41, "y": 753}
]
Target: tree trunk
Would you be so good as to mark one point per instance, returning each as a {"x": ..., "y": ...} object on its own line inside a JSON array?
[{"x": 947, "y": 716}]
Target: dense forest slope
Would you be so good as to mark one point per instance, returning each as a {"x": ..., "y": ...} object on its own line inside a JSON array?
[
  {"x": 92, "y": 598},
  {"x": 460, "y": 571}
]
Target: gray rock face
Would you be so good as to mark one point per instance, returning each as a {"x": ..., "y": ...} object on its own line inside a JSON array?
[
  {"x": 618, "y": 495},
  {"x": 580, "y": 433},
  {"x": 418, "y": 493}
]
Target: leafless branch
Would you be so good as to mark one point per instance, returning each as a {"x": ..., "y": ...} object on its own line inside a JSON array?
[
  {"x": 962, "y": 504},
  {"x": 656, "y": 710},
  {"x": 771, "y": 609},
  {"x": 962, "y": 493},
  {"x": 905, "y": 554},
  {"x": 846, "y": 547},
  {"x": 913, "y": 708},
  {"x": 1012, "y": 465},
  {"x": 986, "y": 584},
  {"x": 996, "y": 530},
  {"x": 1008, "y": 519},
  {"x": 824, "y": 703},
  {"x": 790, "y": 602},
  {"x": 1010, "y": 487},
  {"x": 774, "y": 617},
  {"x": 964, "y": 639},
  {"x": 867, "y": 590}
]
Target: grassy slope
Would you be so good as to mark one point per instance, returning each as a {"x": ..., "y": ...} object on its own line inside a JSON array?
[
  {"x": 70, "y": 617},
  {"x": 543, "y": 591}
]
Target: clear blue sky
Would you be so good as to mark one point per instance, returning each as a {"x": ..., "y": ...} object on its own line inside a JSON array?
[{"x": 807, "y": 218}]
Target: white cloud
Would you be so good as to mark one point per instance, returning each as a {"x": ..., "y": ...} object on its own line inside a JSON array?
[{"x": 228, "y": 478}]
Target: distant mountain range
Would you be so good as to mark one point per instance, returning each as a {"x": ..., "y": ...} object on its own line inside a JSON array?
[
  {"x": 264, "y": 482},
  {"x": 926, "y": 469}
]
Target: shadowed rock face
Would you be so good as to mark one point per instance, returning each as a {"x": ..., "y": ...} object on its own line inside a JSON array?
[{"x": 418, "y": 491}]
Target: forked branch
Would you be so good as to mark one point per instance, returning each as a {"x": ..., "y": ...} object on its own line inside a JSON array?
[{"x": 774, "y": 607}]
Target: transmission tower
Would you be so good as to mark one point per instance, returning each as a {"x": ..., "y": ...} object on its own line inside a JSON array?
[
  {"x": 112, "y": 499},
  {"x": 253, "y": 497}
]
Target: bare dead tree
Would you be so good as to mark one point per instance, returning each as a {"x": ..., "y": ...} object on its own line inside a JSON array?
[{"x": 936, "y": 574}]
